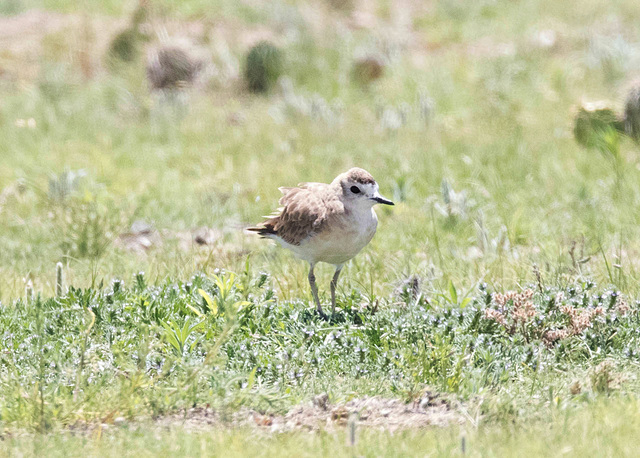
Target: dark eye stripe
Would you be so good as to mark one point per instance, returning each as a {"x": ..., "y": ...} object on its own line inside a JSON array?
[{"x": 355, "y": 189}]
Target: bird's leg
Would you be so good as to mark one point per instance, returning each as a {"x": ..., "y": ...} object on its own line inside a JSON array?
[
  {"x": 334, "y": 284},
  {"x": 314, "y": 289}
]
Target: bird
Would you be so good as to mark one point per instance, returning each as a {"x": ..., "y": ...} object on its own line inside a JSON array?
[{"x": 326, "y": 222}]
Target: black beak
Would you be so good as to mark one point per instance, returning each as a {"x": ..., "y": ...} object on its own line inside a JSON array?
[{"x": 382, "y": 200}]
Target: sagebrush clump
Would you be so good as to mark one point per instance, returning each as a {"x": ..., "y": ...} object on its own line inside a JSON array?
[
  {"x": 173, "y": 65},
  {"x": 263, "y": 67}
]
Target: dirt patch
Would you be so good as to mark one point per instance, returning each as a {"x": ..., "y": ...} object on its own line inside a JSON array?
[
  {"x": 142, "y": 237},
  {"x": 370, "y": 412},
  {"x": 36, "y": 36},
  {"x": 373, "y": 412}
]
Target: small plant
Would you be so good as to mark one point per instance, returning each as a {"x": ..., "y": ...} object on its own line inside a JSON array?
[
  {"x": 579, "y": 321},
  {"x": 402, "y": 188},
  {"x": 59, "y": 280},
  {"x": 56, "y": 82},
  {"x": 410, "y": 290},
  {"x": 612, "y": 55},
  {"x": 603, "y": 378},
  {"x": 227, "y": 298},
  {"x": 296, "y": 105},
  {"x": 125, "y": 46},
  {"x": 454, "y": 205},
  {"x": 173, "y": 65},
  {"x": 426, "y": 107},
  {"x": 179, "y": 336},
  {"x": 88, "y": 225},
  {"x": 368, "y": 69},
  {"x": 632, "y": 113},
  {"x": 65, "y": 184},
  {"x": 344, "y": 6},
  {"x": 263, "y": 67},
  {"x": 391, "y": 118},
  {"x": 598, "y": 127},
  {"x": 554, "y": 322},
  {"x": 28, "y": 291}
]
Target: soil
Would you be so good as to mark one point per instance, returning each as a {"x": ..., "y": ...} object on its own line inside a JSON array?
[{"x": 370, "y": 412}]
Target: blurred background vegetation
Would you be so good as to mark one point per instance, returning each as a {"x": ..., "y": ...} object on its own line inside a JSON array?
[{"x": 139, "y": 136}]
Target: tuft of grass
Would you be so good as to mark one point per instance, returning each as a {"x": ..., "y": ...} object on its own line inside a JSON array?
[
  {"x": 173, "y": 65},
  {"x": 263, "y": 66}
]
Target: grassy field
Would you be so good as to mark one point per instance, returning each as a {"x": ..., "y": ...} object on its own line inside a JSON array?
[
  {"x": 563, "y": 434},
  {"x": 469, "y": 130},
  {"x": 566, "y": 434}
]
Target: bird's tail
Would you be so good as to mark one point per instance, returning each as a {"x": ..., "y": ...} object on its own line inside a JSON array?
[{"x": 264, "y": 231}]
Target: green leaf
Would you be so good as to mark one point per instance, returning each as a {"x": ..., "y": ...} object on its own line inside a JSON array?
[
  {"x": 252, "y": 378},
  {"x": 194, "y": 310},
  {"x": 171, "y": 336},
  {"x": 240, "y": 305},
  {"x": 195, "y": 342},
  {"x": 212, "y": 305},
  {"x": 465, "y": 302},
  {"x": 453, "y": 294}
]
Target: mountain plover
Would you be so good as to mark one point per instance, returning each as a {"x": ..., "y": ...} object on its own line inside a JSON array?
[{"x": 329, "y": 223}]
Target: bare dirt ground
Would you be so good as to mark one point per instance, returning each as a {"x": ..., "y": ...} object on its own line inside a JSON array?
[
  {"x": 370, "y": 412},
  {"x": 35, "y": 35},
  {"x": 374, "y": 413}
]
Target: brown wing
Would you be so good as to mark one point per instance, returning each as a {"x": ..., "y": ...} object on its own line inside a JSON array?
[{"x": 303, "y": 213}]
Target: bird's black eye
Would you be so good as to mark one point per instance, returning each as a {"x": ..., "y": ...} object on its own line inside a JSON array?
[{"x": 355, "y": 189}]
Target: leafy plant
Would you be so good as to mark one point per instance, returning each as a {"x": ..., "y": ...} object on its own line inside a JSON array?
[
  {"x": 263, "y": 67},
  {"x": 598, "y": 127},
  {"x": 227, "y": 295},
  {"x": 178, "y": 336}
]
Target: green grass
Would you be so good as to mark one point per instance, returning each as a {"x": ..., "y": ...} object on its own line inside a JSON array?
[
  {"x": 469, "y": 131},
  {"x": 147, "y": 351},
  {"x": 501, "y": 132},
  {"x": 602, "y": 429}
]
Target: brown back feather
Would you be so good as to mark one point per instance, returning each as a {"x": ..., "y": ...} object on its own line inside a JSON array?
[{"x": 304, "y": 212}]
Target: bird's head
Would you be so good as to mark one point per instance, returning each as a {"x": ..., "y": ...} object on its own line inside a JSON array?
[{"x": 359, "y": 188}]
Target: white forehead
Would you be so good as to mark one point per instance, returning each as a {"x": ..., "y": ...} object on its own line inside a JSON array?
[
  {"x": 371, "y": 186},
  {"x": 367, "y": 188}
]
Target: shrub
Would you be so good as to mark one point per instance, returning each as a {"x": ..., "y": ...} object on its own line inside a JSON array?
[
  {"x": 173, "y": 65},
  {"x": 125, "y": 46},
  {"x": 632, "y": 113},
  {"x": 263, "y": 67},
  {"x": 368, "y": 69},
  {"x": 596, "y": 125}
]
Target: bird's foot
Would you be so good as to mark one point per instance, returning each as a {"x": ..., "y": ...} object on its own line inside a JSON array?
[{"x": 322, "y": 315}]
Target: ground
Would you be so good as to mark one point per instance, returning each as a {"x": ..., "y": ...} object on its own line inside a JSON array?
[{"x": 495, "y": 311}]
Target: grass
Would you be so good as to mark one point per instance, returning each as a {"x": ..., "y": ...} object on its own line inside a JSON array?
[
  {"x": 143, "y": 351},
  {"x": 565, "y": 433},
  {"x": 469, "y": 130}
]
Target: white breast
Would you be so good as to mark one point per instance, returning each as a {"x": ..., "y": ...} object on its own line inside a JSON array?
[{"x": 340, "y": 240}]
